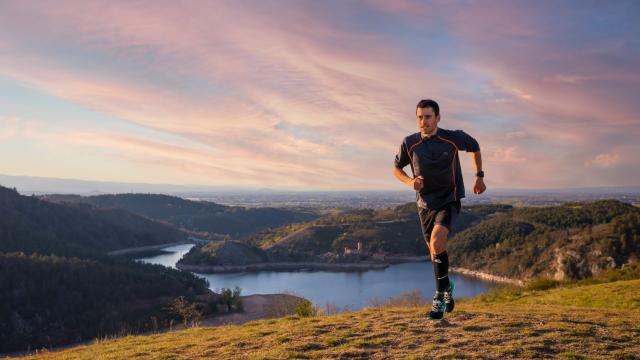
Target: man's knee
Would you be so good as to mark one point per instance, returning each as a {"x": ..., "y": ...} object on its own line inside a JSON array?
[{"x": 439, "y": 238}]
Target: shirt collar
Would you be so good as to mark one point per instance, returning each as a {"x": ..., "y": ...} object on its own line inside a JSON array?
[{"x": 430, "y": 137}]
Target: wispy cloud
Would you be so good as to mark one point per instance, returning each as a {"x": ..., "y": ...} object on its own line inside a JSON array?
[
  {"x": 319, "y": 95},
  {"x": 604, "y": 160}
]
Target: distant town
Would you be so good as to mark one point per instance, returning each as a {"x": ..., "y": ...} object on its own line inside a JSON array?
[
  {"x": 231, "y": 196},
  {"x": 385, "y": 199}
]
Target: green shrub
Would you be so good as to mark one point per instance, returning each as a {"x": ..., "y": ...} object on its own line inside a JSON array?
[
  {"x": 305, "y": 309},
  {"x": 231, "y": 297},
  {"x": 542, "y": 284},
  {"x": 502, "y": 293}
]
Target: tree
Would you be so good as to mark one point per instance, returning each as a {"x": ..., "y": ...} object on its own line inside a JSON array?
[{"x": 189, "y": 312}]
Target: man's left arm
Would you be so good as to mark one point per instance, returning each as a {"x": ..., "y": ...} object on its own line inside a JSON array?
[
  {"x": 478, "y": 186},
  {"x": 467, "y": 143}
]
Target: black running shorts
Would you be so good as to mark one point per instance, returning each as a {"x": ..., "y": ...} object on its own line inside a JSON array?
[{"x": 444, "y": 216}]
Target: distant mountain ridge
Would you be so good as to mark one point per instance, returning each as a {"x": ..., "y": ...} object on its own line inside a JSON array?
[
  {"x": 201, "y": 216},
  {"x": 50, "y": 185},
  {"x": 30, "y": 224}
]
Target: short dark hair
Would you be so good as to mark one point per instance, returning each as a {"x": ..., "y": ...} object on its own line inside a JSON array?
[{"x": 428, "y": 103}]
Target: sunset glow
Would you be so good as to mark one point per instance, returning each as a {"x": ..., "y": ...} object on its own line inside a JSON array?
[{"x": 310, "y": 95}]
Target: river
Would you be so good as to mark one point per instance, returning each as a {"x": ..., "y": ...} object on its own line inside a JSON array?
[{"x": 353, "y": 290}]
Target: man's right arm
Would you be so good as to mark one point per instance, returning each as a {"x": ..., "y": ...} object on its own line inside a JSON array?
[
  {"x": 415, "y": 183},
  {"x": 401, "y": 175},
  {"x": 403, "y": 159}
]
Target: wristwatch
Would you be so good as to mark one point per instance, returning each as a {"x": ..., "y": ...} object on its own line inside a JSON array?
[{"x": 480, "y": 174}]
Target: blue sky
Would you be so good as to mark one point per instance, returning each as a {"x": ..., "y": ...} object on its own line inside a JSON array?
[{"x": 308, "y": 95}]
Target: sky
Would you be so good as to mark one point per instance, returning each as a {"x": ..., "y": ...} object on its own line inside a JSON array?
[{"x": 318, "y": 95}]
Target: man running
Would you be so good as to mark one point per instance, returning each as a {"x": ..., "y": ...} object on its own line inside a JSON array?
[{"x": 432, "y": 154}]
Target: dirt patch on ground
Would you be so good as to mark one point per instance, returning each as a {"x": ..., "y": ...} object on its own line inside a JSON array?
[{"x": 257, "y": 307}]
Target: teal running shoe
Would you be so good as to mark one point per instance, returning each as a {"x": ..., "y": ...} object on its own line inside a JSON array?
[
  {"x": 448, "y": 297},
  {"x": 438, "y": 308}
]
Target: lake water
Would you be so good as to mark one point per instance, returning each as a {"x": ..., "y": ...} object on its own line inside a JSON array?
[{"x": 352, "y": 289}]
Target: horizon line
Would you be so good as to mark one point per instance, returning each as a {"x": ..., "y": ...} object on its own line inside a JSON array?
[{"x": 230, "y": 188}]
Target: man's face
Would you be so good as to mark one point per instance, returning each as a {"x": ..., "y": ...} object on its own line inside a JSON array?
[{"x": 427, "y": 120}]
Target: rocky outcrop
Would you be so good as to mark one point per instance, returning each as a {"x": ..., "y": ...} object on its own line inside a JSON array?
[{"x": 578, "y": 263}]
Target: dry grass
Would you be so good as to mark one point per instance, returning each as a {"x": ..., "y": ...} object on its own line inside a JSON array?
[{"x": 477, "y": 329}]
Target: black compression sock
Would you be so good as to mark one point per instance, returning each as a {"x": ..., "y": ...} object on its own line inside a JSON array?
[{"x": 441, "y": 267}]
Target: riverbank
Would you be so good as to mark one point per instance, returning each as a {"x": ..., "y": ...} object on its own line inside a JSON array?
[
  {"x": 316, "y": 266},
  {"x": 397, "y": 259},
  {"x": 359, "y": 266},
  {"x": 486, "y": 276},
  {"x": 142, "y": 249},
  {"x": 283, "y": 266},
  {"x": 458, "y": 270}
]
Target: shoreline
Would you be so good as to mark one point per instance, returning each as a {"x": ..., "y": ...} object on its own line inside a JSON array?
[
  {"x": 360, "y": 266},
  {"x": 134, "y": 250},
  {"x": 282, "y": 266},
  {"x": 399, "y": 259},
  {"x": 486, "y": 276}
]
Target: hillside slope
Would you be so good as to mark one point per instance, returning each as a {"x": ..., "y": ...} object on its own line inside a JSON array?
[
  {"x": 52, "y": 300},
  {"x": 224, "y": 253},
  {"x": 201, "y": 216},
  {"x": 477, "y": 329},
  {"x": 31, "y": 225},
  {"x": 58, "y": 285},
  {"x": 394, "y": 231},
  {"x": 572, "y": 241}
]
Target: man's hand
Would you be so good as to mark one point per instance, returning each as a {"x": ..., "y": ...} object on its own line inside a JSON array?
[
  {"x": 479, "y": 187},
  {"x": 417, "y": 183}
]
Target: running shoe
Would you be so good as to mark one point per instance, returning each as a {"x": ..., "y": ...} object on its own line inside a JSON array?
[
  {"x": 438, "y": 308},
  {"x": 448, "y": 297}
]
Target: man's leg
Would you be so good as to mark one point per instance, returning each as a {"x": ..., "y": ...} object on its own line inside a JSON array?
[
  {"x": 439, "y": 255},
  {"x": 443, "y": 300},
  {"x": 444, "y": 219},
  {"x": 427, "y": 221},
  {"x": 437, "y": 249}
]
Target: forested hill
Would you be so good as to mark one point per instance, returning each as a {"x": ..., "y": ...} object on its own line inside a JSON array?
[
  {"x": 570, "y": 241},
  {"x": 201, "y": 216},
  {"x": 57, "y": 285},
  {"x": 29, "y": 224},
  {"x": 52, "y": 301},
  {"x": 394, "y": 231}
]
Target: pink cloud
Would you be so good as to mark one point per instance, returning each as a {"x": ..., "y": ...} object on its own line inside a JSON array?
[
  {"x": 9, "y": 127},
  {"x": 605, "y": 160},
  {"x": 354, "y": 87},
  {"x": 346, "y": 94},
  {"x": 502, "y": 155}
]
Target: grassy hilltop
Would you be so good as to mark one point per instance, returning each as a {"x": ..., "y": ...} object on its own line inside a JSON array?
[{"x": 575, "y": 321}]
